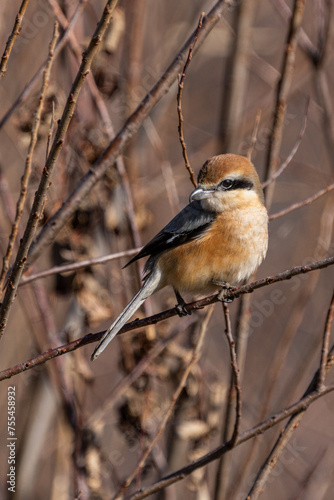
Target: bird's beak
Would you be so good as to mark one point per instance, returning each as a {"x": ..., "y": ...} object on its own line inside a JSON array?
[{"x": 200, "y": 194}]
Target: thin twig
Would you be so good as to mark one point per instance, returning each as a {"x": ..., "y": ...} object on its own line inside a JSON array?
[
  {"x": 179, "y": 102},
  {"x": 304, "y": 41},
  {"x": 260, "y": 428},
  {"x": 27, "y": 170},
  {"x": 282, "y": 95},
  {"x": 74, "y": 266},
  {"x": 236, "y": 81},
  {"x": 77, "y": 51},
  {"x": 236, "y": 374},
  {"x": 300, "y": 204},
  {"x": 232, "y": 413},
  {"x": 40, "y": 195},
  {"x": 174, "y": 399},
  {"x": 152, "y": 320},
  {"x": 30, "y": 85},
  {"x": 50, "y": 131},
  {"x": 254, "y": 134},
  {"x": 108, "y": 126},
  {"x": 283, "y": 347},
  {"x": 99, "y": 416},
  {"x": 325, "y": 345},
  {"x": 292, "y": 425},
  {"x": 294, "y": 150},
  {"x": 114, "y": 149},
  {"x": 11, "y": 40}
]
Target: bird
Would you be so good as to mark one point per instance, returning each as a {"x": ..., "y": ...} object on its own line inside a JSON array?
[{"x": 216, "y": 242}]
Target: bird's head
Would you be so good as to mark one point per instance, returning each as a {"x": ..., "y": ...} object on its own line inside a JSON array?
[{"x": 227, "y": 182}]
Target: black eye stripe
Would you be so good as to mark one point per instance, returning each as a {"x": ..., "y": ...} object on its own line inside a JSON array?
[{"x": 235, "y": 184}]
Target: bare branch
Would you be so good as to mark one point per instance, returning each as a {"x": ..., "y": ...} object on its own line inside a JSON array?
[
  {"x": 300, "y": 204},
  {"x": 88, "y": 339},
  {"x": 27, "y": 170},
  {"x": 11, "y": 40},
  {"x": 325, "y": 345},
  {"x": 254, "y": 134},
  {"x": 30, "y": 85},
  {"x": 40, "y": 195},
  {"x": 75, "y": 266},
  {"x": 236, "y": 376},
  {"x": 294, "y": 150},
  {"x": 282, "y": 95},
  {"x": 179, "y": 102},
  {"x": 176, "y": 395},
  {"x": 270, "y": 422},
  {"x": 116, "y": 146},
  {"x": 313, "y": 388}
]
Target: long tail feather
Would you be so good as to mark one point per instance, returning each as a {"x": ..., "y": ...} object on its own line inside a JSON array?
[{"x": 150, "y": 285}]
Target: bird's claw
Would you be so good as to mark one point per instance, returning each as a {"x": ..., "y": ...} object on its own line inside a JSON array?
[
  {"x": 225, "y": 288},
  {"x": 181, "y": 310}
]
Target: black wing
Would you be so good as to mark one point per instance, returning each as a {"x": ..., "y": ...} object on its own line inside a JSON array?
[{"x": 192, "y": 222}]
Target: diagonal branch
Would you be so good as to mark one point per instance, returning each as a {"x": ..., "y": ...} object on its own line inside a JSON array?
[
  {"x": 30, "y": 85},
  {"x": 31, "y": 149},
  {"x": 176, "y": 395},
  {"x": 179, "y": 101},
  {"x": 11, "y": 40},
  {"x": 270, "y": 422},
  {"x": 282, "y": 95},
  {"x": 156, "y": 318},
  {"x": 132, "y": 125},
  {"x": 303, "y": 203},
  {"x": 316, "y": 386},
  {"x": 40, "y": 195}
]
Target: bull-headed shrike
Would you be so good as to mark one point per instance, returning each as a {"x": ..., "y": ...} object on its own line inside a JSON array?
[{"x": 216, "y": 241}]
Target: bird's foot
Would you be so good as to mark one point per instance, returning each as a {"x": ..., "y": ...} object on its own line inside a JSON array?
[
  {"x": 225, "y": 288},
  {"x": 181, "y": 310},
  {"x": 181, "y": 305}
]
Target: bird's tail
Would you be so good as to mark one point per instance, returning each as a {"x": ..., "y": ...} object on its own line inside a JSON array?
[{"x": 150, "y": 285}]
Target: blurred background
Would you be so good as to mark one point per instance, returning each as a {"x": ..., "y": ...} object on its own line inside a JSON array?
[{"x": 82, "y": 427}]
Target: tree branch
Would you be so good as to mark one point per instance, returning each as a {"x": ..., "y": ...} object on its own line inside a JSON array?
[
  {"x": 40, "y": 195},
  {"x": 109, "y": 156},
  {"x": 11, "y": 40},
  {"x": 156, "y": 318}
]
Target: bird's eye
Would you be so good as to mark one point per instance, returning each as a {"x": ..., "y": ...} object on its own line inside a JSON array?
[{"x": 226, "y": 184}]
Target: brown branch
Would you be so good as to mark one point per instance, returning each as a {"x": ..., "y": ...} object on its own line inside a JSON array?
[
  {"x": 325, "y": 345},
  {"x": 174, "y": 399},
  {"x": 237, "y": 78},
  {"x": 282, "y": 95},
  {"x": 50, "y": 131},
  {"x": 30, "y": 85},
  {"x": 77, "y": 51},
  {"x": 108, "y": 126},
  {"x": 236, "y": 375},
  {"x": 40, "y": 195},
  {"x": 300, "y": 204},
  {"x": 270, "y": 422},
  {"x": 11, "y": 40},
  {"x": 233, "y": 402},
  {"x": 314, "y": 388},
  {"x": 156, "y": 318},
  {"x": 254, "y": 134},
  {"x": 74, "y": 266},
  {"x": 284, "y": 344},
  {"x": 27, "y": 170},
  {"x": 294, "y": 150},
  {"x": 179, "y": 102},
  {"x": 99, "y": 415},
  {"x": 303, "y": 41},
  {"x": 108, "y": 157}
]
